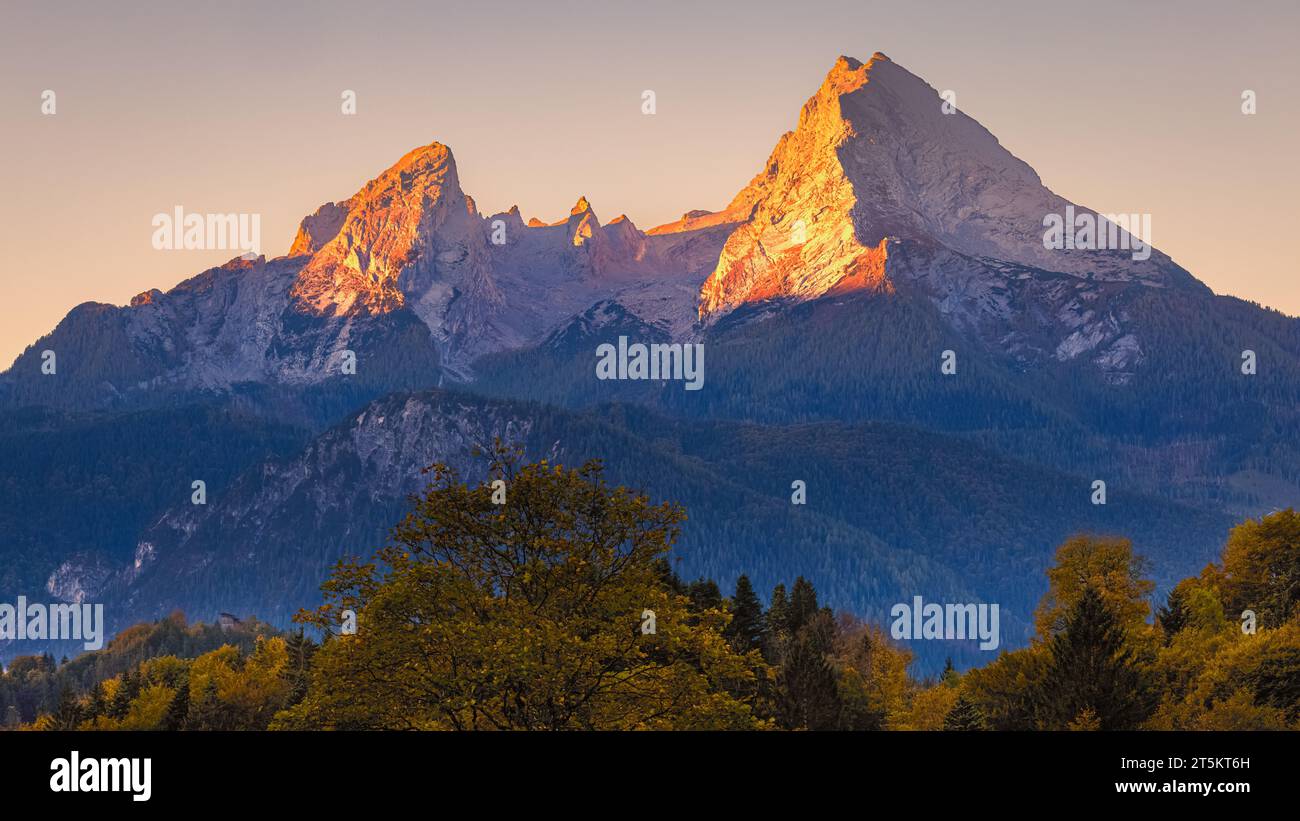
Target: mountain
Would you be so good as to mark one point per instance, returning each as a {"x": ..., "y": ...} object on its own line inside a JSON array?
[
  {"x": 891, "y": 510},
  {"x": 886, "y": 236},
  {"x": 884, "y": 232},
  {"x": 877, "y": 190},
  {"x": 77, "y": 489},
  {"x": 880, "y": 188},
  {"x": 405, "y": 274},
  {"x": 875, "y": 160}
]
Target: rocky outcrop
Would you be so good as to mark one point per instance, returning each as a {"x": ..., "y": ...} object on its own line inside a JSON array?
[{"x": 408, "y": 272}]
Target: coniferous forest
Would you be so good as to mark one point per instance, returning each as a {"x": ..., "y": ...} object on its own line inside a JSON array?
[{"x": 544, "y": 598}]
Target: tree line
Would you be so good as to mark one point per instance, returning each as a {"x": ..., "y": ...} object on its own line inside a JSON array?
[{"x": 557, "y": 608}]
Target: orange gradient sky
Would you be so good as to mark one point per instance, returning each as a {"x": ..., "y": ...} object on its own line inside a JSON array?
[{"x": 234, "y": 107}]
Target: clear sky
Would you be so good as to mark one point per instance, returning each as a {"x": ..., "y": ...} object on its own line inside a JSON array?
[{"x": 235, "y": 107}]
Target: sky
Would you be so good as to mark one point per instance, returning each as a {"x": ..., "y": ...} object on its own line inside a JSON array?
[{"x": 236, "y": 107}]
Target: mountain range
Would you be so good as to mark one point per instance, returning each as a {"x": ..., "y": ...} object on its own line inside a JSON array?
[{"x": 882, "y": 320}]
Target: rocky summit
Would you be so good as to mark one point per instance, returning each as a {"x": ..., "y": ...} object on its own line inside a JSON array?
[{"x": 885, "y": 316}]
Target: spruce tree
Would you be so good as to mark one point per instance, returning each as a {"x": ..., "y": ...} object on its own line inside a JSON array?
[
  {"x": 669, "y": 576},
  {"x": 803, "y": 604},
  {"x": 964, "y": 716},
  {"x": 98, "y": 705},
  {"x": 1173, "y": 616},
  {"x": 179, "y": 708},
  {"x": 704, "y": 595},
  {"x": 747, "y": 629},
  {"x": 778, "y": 626},
  {"x": 807, "y": 691},
  {"x": 950, "y": 676},
  {"x": 127, "y": 689},
  {"x": 1092, "y": 668}
]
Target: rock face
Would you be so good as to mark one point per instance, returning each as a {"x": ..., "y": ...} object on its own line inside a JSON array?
[
  {"x": 79, "y": 578},
  {"x": 876, "y": 190},
  {"x": 409, "y": 249},
  {"x": 800, "y": 239},
  {"x": 387, "y": 231},
  {"x": 412, "y": 239}
]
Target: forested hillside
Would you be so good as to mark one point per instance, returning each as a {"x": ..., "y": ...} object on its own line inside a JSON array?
[
  {"x": 885, "y": 510},
  {"x": 1189, "y": 424},
  {"x": 76, "y": 490},
  {"x": 557, "y": 608}
]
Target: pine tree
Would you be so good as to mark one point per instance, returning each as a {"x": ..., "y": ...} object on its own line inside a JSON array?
[
  {"x": 669, "y": 576},
  {"x": 950, "y": 676},
  {"x": 807, "y": 691},
  {"x": 964, "y": 716},
  {"x": 1091, "y": 669},
  {"x": 179, "y": 709},
  {"x": 1173, "y": 616},
  {"x": 747, "y": 629},
  {"x": 127, "y": 690},
  {"x": 803, "y": 604},
  {"x": 778, "y": 626},
  {"x": 704, "y": 595},
  {"x": 97, "y": 704}
]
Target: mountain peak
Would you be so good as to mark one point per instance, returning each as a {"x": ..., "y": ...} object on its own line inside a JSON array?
[
  {"x": 582, "y": 223},
  {"x": 878, "y": 154},
  {"x": 433, "y": 155},
  {"x": 360, "y": 246},
  {"x": 844, "y": 67},
  {"x": 421, "y": 172},
  {"x": 850, "y": 74}
]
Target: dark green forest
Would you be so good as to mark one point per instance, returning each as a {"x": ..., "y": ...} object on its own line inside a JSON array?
[{"x": 558, "y": 608}]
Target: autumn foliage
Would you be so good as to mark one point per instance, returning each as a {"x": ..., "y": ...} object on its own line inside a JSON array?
[{"x": 543, "y": 599}]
